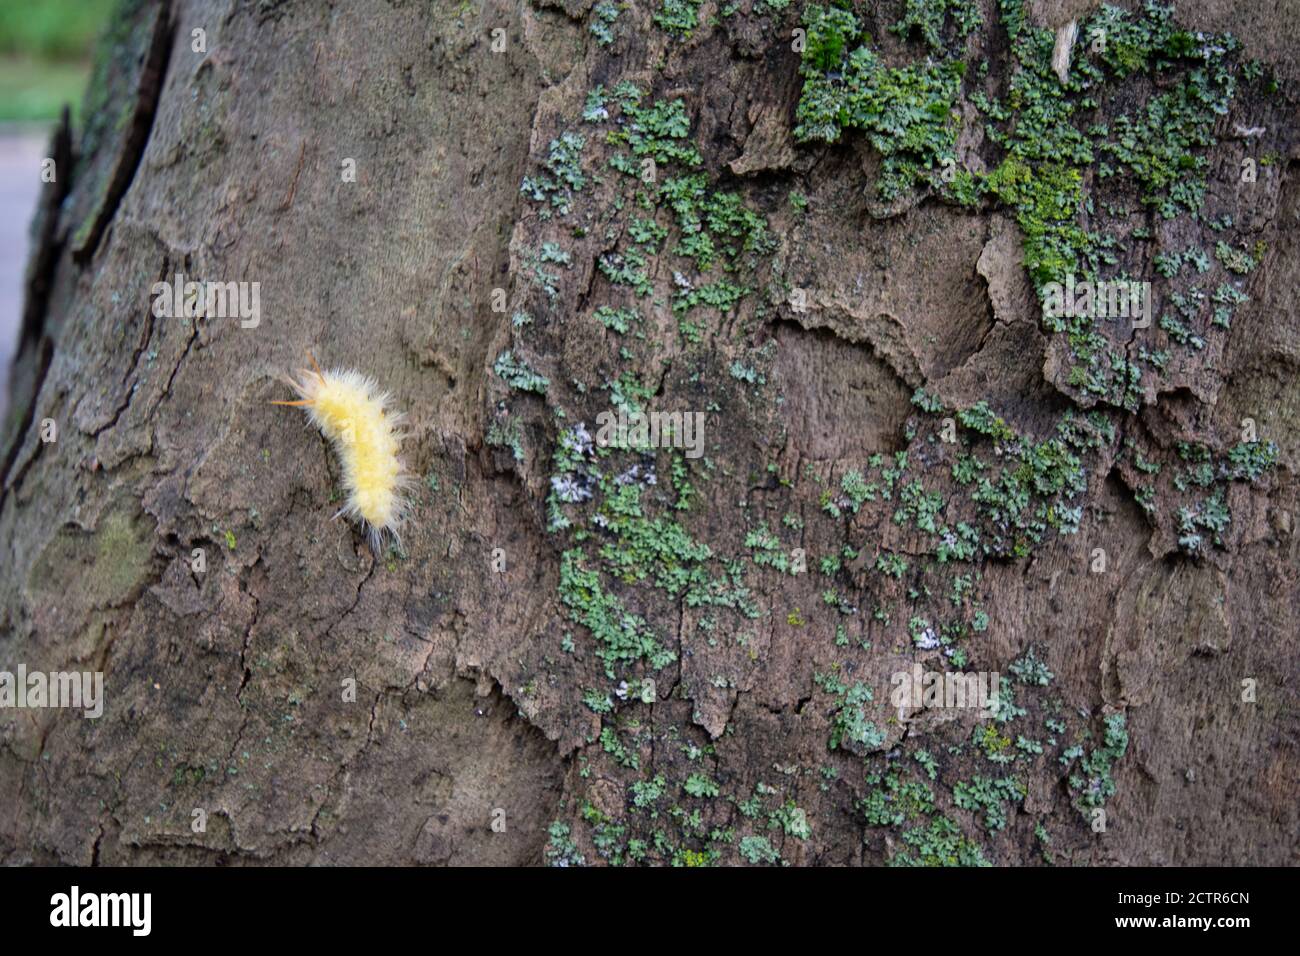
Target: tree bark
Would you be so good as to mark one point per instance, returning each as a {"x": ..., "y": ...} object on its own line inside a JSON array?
[{"x": 179, "y": 537}]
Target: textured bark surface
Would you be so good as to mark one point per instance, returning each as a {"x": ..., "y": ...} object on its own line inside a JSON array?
[{"x": 475, "y": 688}]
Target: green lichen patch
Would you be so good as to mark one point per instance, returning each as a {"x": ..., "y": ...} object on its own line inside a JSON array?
[
  {"x": 1084, "y": 163},
  {"x": 906, "y": 112}
]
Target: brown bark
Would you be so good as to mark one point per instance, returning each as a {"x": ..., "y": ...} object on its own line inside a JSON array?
[{"x": 224, "y": 688}]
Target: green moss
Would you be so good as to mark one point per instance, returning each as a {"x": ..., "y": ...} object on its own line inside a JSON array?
[
  {"x": 1096, "y": 784},
  {"x": 896, "y": 801},
  {"x": 928, "y": 17},
  {"x": 891, "y": 565},
  {"x": 613, "y": 745},
  {"x": 758, "y": 849},
  {"x": 701, "y": 785},
  {"x": 516, "y": 373},
  {"x": 113, "y": 562},
  {"x": 857, "y": 490},
  {"x": 603, "y": 17},
  {"x": 1248, "y": 461},
  {"x": 658, "y": 549},
  {"x": 940, "y": 843},
  {"x": 679, "y": 17},
  {"x": 906, "y": 112},
  {"x": 851, "y": 729},
  {"x": 623, "y": 637},
  {"x": 617, "y": 320},
  {"x": 1196, "y": 490},
  {"x": 1061, "y": 172},
  {"x": 715, "y": 229},
  {"x": 1028, "y": 669},
  {"x": 560, "y": 848},
  {"x": 562, "y": 175},
  {"x": 1047, "y": 201},
  {"x": 660, "y": 131},
  {"x": 989, "y": 795},
  {"x": 980, "y": 418},
  {"x": 1237, "y": 261},
  {"x": 767, "y": 550}
]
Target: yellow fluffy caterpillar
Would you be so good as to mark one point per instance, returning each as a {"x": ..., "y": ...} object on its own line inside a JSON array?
[{"x": 352, "y": 414}]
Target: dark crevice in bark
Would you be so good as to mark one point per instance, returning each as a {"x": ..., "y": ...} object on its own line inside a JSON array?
[
  {"x": 46, "y": 244},
  {"x": 42, "y": 360},
  {"x": 133, "y": 145},
  {"x": 33, "y": 344}
]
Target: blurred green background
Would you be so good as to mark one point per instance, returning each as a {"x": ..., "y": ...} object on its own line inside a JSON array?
[
  {"x": 45, "y": 50},
  {"x": 45, "y": 56}
]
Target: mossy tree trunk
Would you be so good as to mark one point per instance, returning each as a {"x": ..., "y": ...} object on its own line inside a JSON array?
[{"x": 602, "y": 654}]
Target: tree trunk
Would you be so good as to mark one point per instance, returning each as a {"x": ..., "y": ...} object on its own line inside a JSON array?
[{"x": 596, "y": 654}]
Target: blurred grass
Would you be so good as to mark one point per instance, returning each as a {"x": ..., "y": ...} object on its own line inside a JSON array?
[
  {"x": 51, "y": 29},
  {"x": 45, "y": 50},
  {"x": 35, "y": 90}
]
